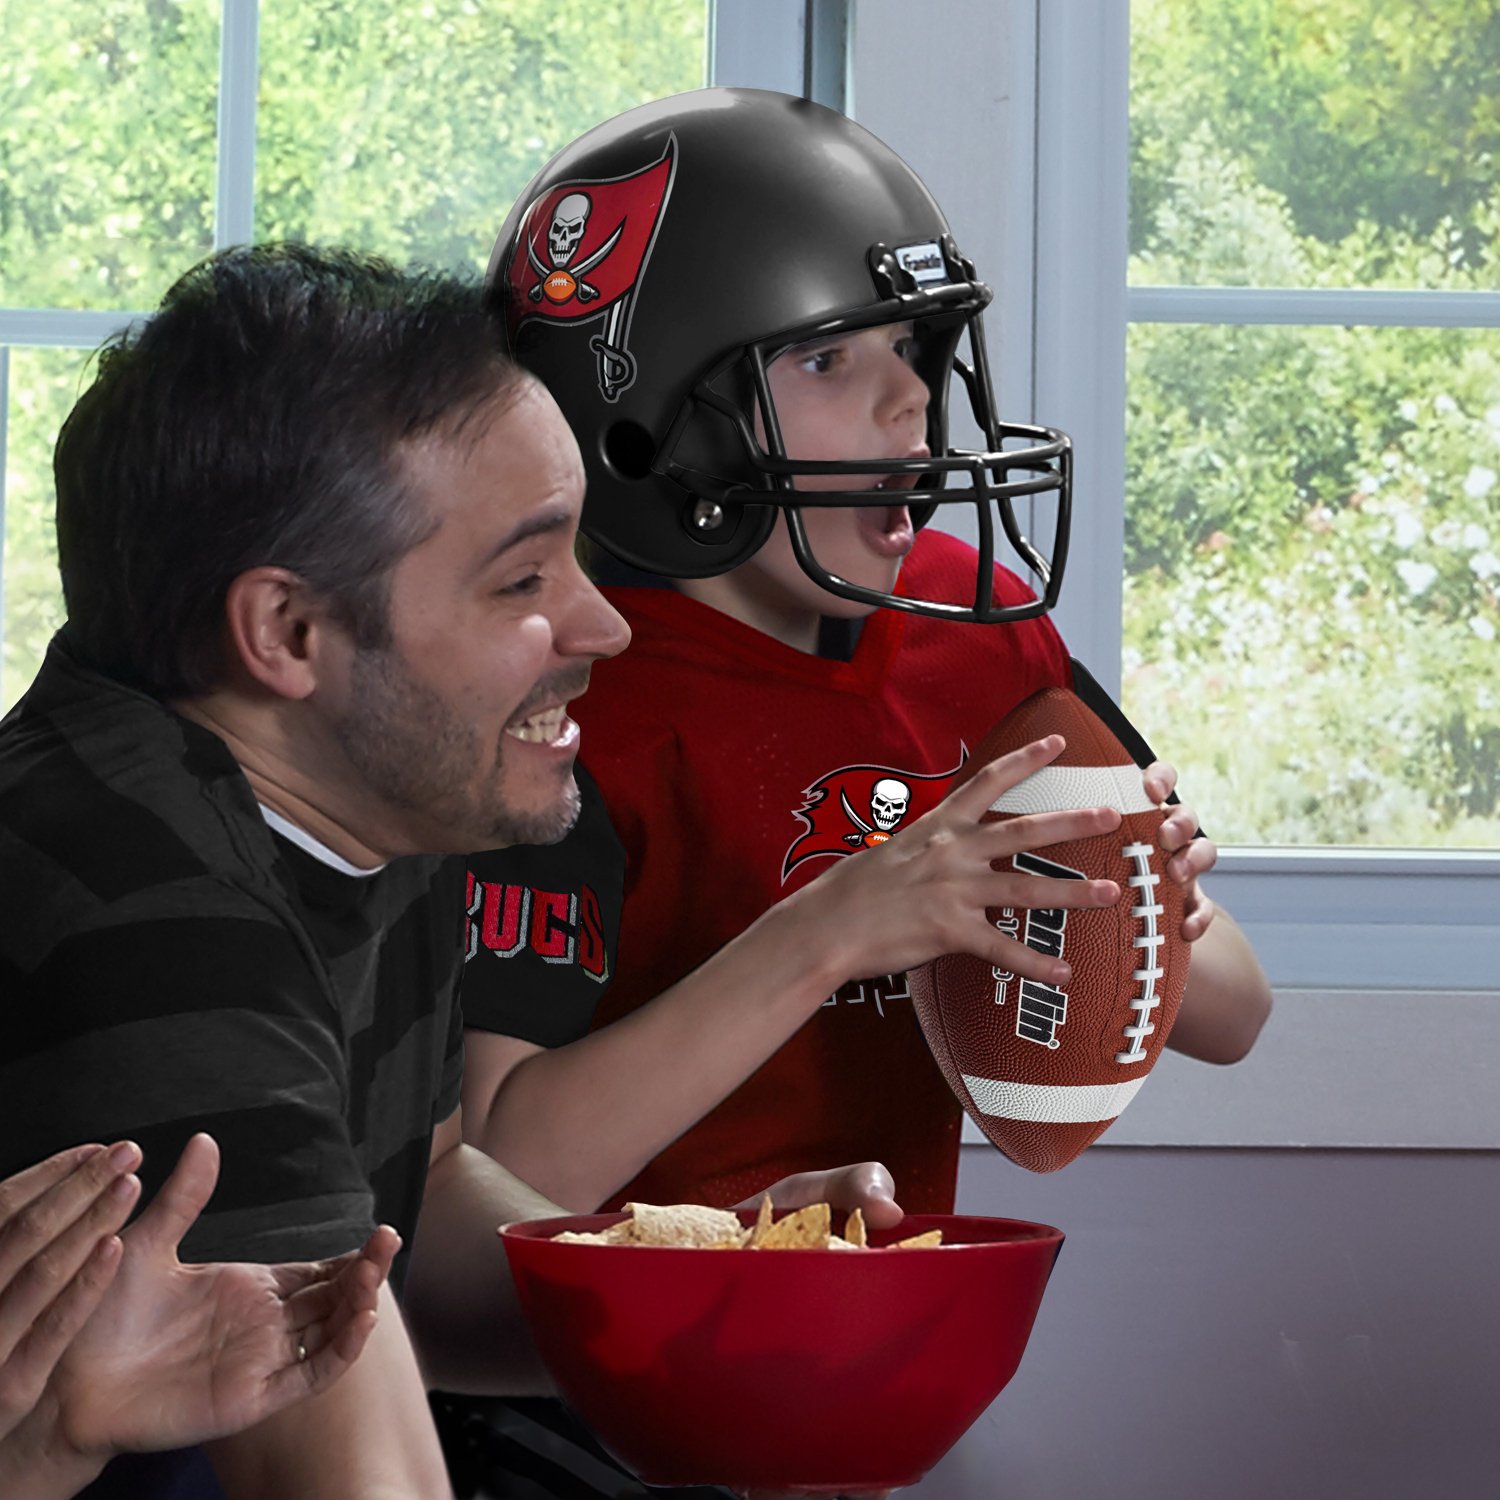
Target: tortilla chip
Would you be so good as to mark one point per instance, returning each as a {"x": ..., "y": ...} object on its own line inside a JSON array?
[
  {"x": 622, "y": 1233},
  {"x": 691, "y": 1226},
  {"x": 919, "y": 1241},
  {"x": 804, "y": 1229},
  {"x": 684, "y": 1225},
  {"x": 762, "y": 1225}
]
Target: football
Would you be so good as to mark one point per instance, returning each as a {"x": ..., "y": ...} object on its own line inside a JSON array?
[{"x": 1043, "y": 1072}]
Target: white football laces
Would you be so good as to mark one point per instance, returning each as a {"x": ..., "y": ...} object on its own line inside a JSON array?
[{"x": 1146, "y": 912}]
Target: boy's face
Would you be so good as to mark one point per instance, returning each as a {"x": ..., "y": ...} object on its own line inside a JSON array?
[{"x": 852, "y": 396}]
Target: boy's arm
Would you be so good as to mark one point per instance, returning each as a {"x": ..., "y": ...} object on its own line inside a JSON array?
[
  {"x": 1227, "y": 999},
  {"x": 579, "y": 1120}
]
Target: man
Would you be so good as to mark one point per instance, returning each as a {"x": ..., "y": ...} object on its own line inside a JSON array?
[{"x": 316, "y": 540}]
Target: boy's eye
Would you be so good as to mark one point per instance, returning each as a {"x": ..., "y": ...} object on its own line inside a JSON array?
[{"x": 820, "y": 361}]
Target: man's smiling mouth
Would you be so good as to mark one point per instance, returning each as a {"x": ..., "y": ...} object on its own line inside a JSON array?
[{"x": 547, "y": 726}]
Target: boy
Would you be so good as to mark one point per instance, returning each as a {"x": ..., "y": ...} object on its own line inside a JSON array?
[
  {"x": 779, "y": 306},
  {"x": 749, "y": 310}
]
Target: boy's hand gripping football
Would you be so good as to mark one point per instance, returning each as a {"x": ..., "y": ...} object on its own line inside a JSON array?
[
  {"x": 1188, "y": 857},
  {"x": 926, "y": 892}
]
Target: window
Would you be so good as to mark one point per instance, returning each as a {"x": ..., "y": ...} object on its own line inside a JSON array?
[
  {"x": 1312, "y": 492},
  {"x": 136, "y": 138},
  {"x": 1023, "y": 134}
]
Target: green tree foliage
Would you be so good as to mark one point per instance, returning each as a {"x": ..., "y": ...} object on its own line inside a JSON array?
[
  {"x": 406, "y": 127},
  {"x": 1349, "y": 111},
  {"x": 107, "y": 124},
  {"x": 1313, "y": 514},
  {"x": 411, "y": 129}
]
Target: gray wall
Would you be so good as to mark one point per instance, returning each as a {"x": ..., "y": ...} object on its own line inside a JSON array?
[{"x": 1249, "y": 1325}]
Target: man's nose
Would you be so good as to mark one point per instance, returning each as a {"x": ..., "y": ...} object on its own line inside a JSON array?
[{"x": 593, "y": 626}]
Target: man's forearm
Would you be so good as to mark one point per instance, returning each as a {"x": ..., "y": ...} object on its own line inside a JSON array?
[
  {"x": 459, "y": 1298},
  {"x": 369, "y": 1437}
]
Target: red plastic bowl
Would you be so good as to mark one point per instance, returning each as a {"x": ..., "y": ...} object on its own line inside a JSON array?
[{"x": 792, "y": 1369}]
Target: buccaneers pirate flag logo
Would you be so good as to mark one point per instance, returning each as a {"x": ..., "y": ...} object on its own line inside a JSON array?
[
  {"x": 580, "y": 253},
  {"x": 858, "y": 807}
]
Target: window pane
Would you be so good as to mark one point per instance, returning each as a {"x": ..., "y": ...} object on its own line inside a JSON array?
[
  {"x": 43, "y": 384},
  {"x": 1334, "y": 143},
  {"x": 107, "y": 121},
  {"x": 410, "y": 130},
  {"x": 1312, "y": 591}
]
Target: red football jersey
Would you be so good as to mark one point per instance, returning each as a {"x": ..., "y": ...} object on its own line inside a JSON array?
[{"x": 735, "y": 769}]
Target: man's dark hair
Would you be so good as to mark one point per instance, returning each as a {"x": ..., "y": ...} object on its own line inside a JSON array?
[{"x": 255, "y": 420}]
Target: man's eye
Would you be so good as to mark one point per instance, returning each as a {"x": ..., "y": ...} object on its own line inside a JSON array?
[
  {"x": 821, "y": 362},
  {"x": 527, "y": 585}
]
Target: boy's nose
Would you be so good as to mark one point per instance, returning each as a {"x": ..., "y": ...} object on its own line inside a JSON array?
[{"x": 907, "y": 396}]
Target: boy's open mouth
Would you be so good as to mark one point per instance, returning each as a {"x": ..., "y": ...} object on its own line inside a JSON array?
[{"x": 887, "y": 529}]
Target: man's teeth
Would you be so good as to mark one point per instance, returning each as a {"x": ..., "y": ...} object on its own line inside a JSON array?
[{"x": 539, "y": 729}]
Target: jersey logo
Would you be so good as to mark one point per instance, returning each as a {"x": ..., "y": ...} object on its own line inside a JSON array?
[
  {"x": 560, "y": 927},
  {"x": 858, "y": 807},
  {"x": 580, "y": 253}
]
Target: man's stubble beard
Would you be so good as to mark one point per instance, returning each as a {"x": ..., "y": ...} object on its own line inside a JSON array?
[{"x": 415, "y": 754}]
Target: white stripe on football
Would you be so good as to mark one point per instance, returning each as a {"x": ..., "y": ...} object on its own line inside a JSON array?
[{"x": 1057, "y": 788}]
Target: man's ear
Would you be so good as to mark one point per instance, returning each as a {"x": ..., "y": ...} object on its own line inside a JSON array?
[{"x": 276, "y": 628}]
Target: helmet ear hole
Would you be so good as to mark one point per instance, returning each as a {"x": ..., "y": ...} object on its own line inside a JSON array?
[{"x": 628, "y": 450}]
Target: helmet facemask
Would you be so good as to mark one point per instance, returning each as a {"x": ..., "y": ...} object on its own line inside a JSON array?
[{"x": 736, "y": 472}]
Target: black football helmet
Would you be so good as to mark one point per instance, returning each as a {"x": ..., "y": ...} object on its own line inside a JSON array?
[{"x": 653, "y": 270}]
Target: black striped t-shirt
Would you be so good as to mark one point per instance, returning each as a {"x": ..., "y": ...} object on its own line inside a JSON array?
[{"x": 167, "y": 965}]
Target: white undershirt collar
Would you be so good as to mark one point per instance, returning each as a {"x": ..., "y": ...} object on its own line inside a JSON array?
[{"x": 304, "y": 840}]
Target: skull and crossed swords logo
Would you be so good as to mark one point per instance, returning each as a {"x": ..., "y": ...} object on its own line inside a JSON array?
[
  {"x": 563, "y": 270},
  {"x": 889, "y": 800},
  {"x": 562, "y": 279}
]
